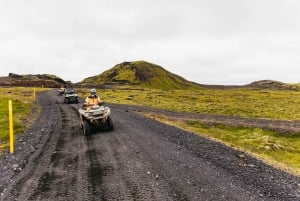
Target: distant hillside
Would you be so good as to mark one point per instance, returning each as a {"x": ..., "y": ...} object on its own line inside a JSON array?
[
  {"x": 271, "y": 84},
  {"x": 137, "y": 73},
  {"x": 46, "y": 80},
  {"x": 140, "y": 73}
]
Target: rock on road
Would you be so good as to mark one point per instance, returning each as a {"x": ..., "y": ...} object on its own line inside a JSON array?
[{"x": 141, "y": 159}]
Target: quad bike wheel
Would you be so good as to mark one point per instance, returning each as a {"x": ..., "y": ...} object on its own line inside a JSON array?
[
  {"x": 86, "y": 128},
  {"x": 109, "y": 123}
]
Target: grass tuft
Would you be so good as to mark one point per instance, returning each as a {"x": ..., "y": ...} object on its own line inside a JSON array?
[{"x": 22, "y": 102}]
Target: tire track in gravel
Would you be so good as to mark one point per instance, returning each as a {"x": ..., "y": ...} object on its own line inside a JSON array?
[
  {"x": 165, "y": 165},
  {"x": 54, "y": 172},
  {"x": 65, "y": 178},
  {"x": 24, "y": 180},
  {"x": 115, "y": 173},
  {"x": 137, "y": 162}
]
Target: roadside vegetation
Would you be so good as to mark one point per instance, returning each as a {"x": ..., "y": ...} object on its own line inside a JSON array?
[
  {"x": 280, "y": 150},
  {"x": 276, "y": 149},
  {"x": 22, "y": 102},
  {"x": 270, "y": 104}
]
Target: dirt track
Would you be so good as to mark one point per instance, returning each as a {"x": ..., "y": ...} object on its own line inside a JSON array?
[{"x": 140, "y": 160}]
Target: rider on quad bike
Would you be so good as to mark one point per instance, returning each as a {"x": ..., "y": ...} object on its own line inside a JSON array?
[
  {"x": 92, "y": 100},
  {"x": 94, "y": 114}
]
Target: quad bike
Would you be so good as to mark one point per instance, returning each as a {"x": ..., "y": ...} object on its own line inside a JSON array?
[
  {"x": 96, "y": 117},
  {"x": 70, "y": 96}
]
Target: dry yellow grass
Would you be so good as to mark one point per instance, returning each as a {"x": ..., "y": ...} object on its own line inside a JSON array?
[{"x": 22, "y": 101}]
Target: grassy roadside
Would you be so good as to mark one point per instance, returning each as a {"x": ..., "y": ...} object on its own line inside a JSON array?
[
  {"x": 22, "y": 101},
  {"x": 271, "y": 104},
  {"x": 282, "y": 151},
  {"x": 278, "y": 150}
]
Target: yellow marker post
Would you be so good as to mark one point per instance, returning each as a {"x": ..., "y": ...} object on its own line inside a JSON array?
[{"x": 11, "y": 128}]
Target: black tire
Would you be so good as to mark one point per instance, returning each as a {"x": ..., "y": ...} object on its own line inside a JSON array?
[
  {"x": 67, "y": 101},
  {"x": 86, "y": 128},
  {"x": 110, "y": 124}
]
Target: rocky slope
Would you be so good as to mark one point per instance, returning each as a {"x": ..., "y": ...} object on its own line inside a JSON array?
[{"x": 28, "y": 80}]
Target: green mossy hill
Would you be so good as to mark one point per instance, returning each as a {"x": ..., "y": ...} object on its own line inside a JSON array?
[
  {"x": 271, "y": 84},
  {"x": 140, "y": 73}
]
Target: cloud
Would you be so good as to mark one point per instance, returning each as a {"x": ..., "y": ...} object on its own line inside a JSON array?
[{"x": 215, "y": 42}]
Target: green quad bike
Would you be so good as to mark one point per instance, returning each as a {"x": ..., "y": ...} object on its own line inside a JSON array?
[{"x": 98, "y": 117}]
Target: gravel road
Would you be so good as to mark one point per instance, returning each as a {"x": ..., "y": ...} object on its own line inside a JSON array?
[{"x": 141, "y": 159}]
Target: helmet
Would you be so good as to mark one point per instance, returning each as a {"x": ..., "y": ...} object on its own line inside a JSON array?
[{"x": 93, "y": 92}]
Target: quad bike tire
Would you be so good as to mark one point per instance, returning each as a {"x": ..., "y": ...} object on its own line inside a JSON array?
[
  {"x": 67, "y": 101},
  {"x": 110, "y": 124},
  {"x": 86, "y": 128}
]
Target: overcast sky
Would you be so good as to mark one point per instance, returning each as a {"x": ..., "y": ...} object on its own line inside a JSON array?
[{"x": 205, "y": 41}]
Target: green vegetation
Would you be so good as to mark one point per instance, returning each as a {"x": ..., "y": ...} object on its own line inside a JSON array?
[
  {"x": 22, "y": 101},
  {"x": 143, "y": 74},
  {"x": 276, "y": 149},
  {"x": 271, "y": 104}
]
